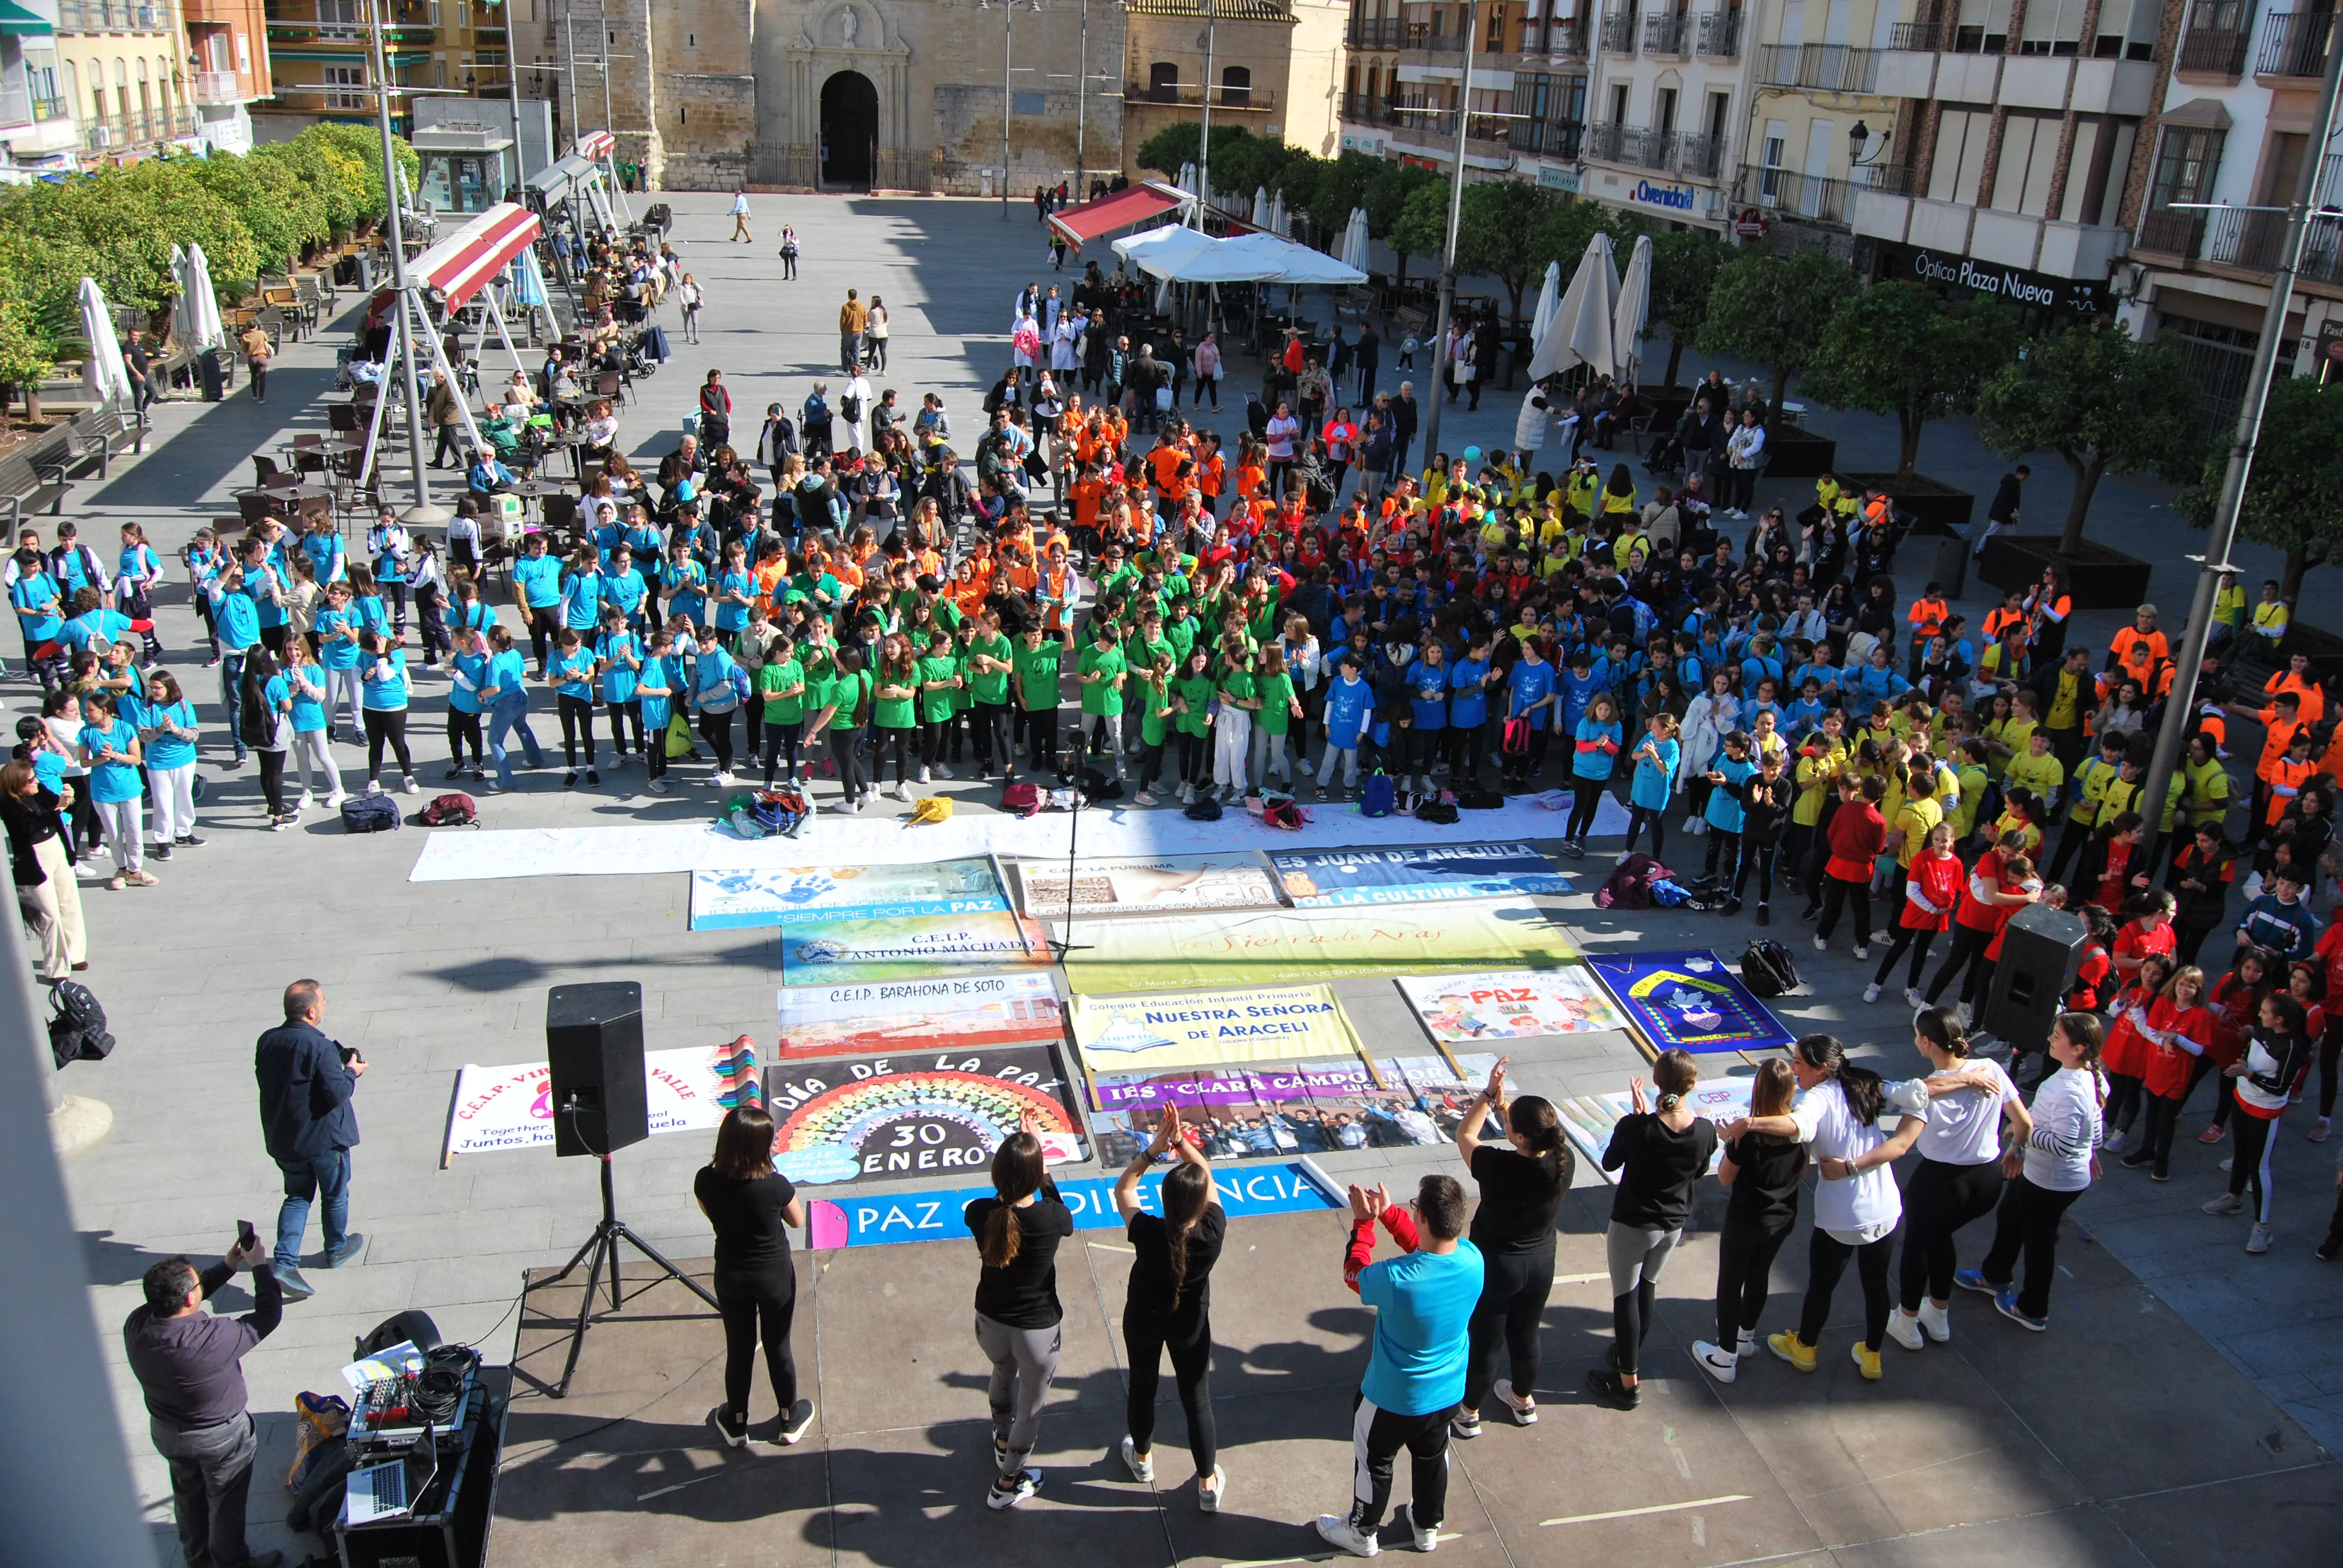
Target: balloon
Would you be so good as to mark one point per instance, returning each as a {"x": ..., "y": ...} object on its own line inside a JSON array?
[{"x": 1471, "y": 453}]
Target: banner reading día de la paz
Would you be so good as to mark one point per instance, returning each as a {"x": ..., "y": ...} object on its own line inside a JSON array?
[
  {"x": 1162, "y": 885},
  {"x": 1140, "y": 1034},
  {"x": 926, "y": 1113},
  {"x": 1510, "y": 1004},
  {"x": 1271, "y": 1111},
  {"x": 1416, "y": 874},
  {"x": 1589, "y": 1119},
  {"x": 908, "y": 946},
  {"x": 1291, "y": 1188},
  {"x": 806, "y": 895},
  {"x": 952, "y": 1011},
  {"x": 1284, "y": 948},
  {"x": 1688, "y": 998},
  {"x": 511, "y": 1107}
]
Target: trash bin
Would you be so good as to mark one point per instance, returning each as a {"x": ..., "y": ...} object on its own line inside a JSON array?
[
  {"x": 209, "y": 366},
  {"x": 1934, "y": 553}
]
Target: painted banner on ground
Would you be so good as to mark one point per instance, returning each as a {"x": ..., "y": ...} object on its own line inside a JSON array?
[
  {"x": 1690, "y": 998},
  {"x": 1308, "y": 1108},
  {"x": 1293, "y": 1188},
  {"x": 908, "y": 946},
  {"x": 1417, "y": 874},
  {"x": 915, "y": 1114},
  {"x": 1510, "y": 1004},
  {"x": 512, "y": 1107},
  {"x": 804, "y": 894},
  {"x": 1166, "y": 885},
  {"x": 963, "y": 1012},
  {"x": 1589, "y": 1119},
  {"x": 1151, "y": 954},
  {"x": 1145, "y": 1034}
]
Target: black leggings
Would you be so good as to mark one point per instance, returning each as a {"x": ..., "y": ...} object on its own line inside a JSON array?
[
  {"x": 2330, "y": 1054},
  {"x": 272, "y": 776},
  {"x": 2249, "y": 1164},
  {"x": 381, "y": 725},
  {"x": 2123, "y": 1102},
  {"x": 1514, "y": 1290},
  {"x": 576, "y": 715},
  {"x": 1744, "y": 1268},
  {"x": 845, "y": 753},
  {"x": 1826, "y": 1261},
  {"x": 2026, "y": 1221},
  {"x": 1146, "y": 1335},
  {"x": 933, "y": 734},
  {"x": 884, "y": 739},
  {"x": 1837, "y": 893},
  {"x": 994, "y": 748},
  {"x": 1041, "y": 738},
  {"x": 756, "y": 1308},
  {"x": 1195, "y": 758},
  {"x": 1938, "y": 1202},
  {"x": 1760, "y": 859},
  {"x": 1585, "y": 800},
  {"x": 716, "y": 728},
  {"x": 621, "y": 714},
  {"x": 1724, "y": 849},
  {"x": 1919, "y": 941},
  {"x": 1637, "y": 815},
  {"x": 1967, "y": 953},
  {"x": 463, "y": 728},
  {"x": 781, "y": 743}
]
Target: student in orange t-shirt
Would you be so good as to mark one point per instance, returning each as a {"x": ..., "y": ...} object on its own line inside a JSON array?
[{"x": 1212, "y": 471}]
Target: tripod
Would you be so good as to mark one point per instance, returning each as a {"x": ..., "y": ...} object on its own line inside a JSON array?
[{"x": 603, "y": 1245}]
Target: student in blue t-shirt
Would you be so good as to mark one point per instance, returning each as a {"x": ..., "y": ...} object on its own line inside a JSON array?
[
  {"x": 1595, "y": 754},
  {"x": 167, "y": 733},
  {"x": 1424, "y": 1301},
  {"x": 1469, "y": 680},
  {"x": 1350, "y": 708},
  {"x": 468, "y": 670},
  {"x": 1656, "y": 756},
  {"x": 657, "y": 681},
  {"x": 571, "y": 675},
  {"x": 1427, "y": 701},
  {"x": 308, "y": 687},
  {"x": 618, "y": 655},
  {"x": 110, "y": 751},
  {"x": 1529, "y": 698},
  {"x": 505, "y": 696},
  {"x": 581, "y": 594},
  {"x": 623, "y": 587},
  {"x": 1724, "y": 813},
  {"x": 537, "y": 589},
  {"x": 686, "y": 582},
  {"x": 93, "y": 624},
  {"x": 383, "y": 673}
]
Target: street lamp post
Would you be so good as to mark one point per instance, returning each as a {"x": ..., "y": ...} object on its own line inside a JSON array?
[
  {"x": 1204, "y": 135},
  {"x": 392, "y": 230},
  {"x": 1448, "y": 249}
]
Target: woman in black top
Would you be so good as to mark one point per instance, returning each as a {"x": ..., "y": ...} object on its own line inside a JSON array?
[
  {"x": 1764, "y": 1174},
  {"x": 1658, "y": 1155},
  {"x": 1521, "y": 1188},
  {"x": 1168, "y": 1306},
  {"x": 43, "y": 864},
  {"x": 1018, "y": 1317},
  {"x": 749, "y": 1202}
]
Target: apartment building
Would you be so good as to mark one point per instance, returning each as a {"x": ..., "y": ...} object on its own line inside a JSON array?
[
  {"x": 123, "y": 74},
  {"x": 1672, "y": 86},
  {"x": 1402, "y": 80},
  {"x": 1272, "y": 65},
  {"x": 2238, "y": 120},
  {"x": 1820, "y": 123},
  {"x": 228, "y": 68},
  {"x": 38, "y": 133},
  {"x": 318, "y": 51}
]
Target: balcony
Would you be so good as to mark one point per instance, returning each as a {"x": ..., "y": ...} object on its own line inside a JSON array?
[
  {"x": 1549, "y": 138},
  {"x": 1667, "y": 34},
  {"x": 1925, "y": 37},
  {"x": 2255, "y": 242},
  {"x": 1375, "y": 33},
  {"x": 2295, "y": 45},
  {"x": 217, "y": 87},
  {"x": 1818, "y": 68},
  {"x": 1363, "y": 109},
  {"x": 1699, "y": 157},
  {"x": 1720, "y": 35},
  {"x": 1567, "y": 38},
  {"x": 1810, "y": 198},
  {"x": 2164, "y": 232},
  {"x": 2212, "y": 52},
  {"x": 1619, "y": 33},
  {"x": 112, "y": 16},
  {"x": 1605, "y": 141},
  {"x": 1888, "y": 179},
  {"x": 1642, "y": 147},
  {"x": 1419, "y": 36},
  {"x": 1225, "y": 100}
]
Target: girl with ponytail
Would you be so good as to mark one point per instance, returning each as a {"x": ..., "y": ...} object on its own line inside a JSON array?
[
  {"x": 1018, "y": 1317},
  {"x": 1659, "y": 1154},
  {"x": 1763, "y": 1172},
  {"x": 1521, "y": 1178},
  {"x": 1169, "y": 1303},
  {"x": 2054, "y": 1166}
]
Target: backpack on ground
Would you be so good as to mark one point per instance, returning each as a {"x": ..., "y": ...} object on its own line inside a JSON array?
[
  {"x": 1285, "y": 816},
  {"x": 1205, "y": 810},
  {"x": 1481, "y": 799},
  {"x": 451, "y": 810},
  {"x": 1630, "y": 886},
  {"x": 1379, "y": 797},
  {"x": 370, "y": 814},
  {"x": 1021, "y": 798},
  {"x": 1098, "y": 785},
  {"x": 1438, "y": 810},
  {"x": 76, "y": 1024},
  {"x": 1767, "y": 970}
]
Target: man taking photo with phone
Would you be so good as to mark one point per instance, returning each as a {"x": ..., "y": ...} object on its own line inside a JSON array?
[
  {"x": 188, "y": 1364},
  {"x": 310, "y": 1128}
]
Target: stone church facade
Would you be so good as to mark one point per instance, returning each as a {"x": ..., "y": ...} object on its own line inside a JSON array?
[{"x": 904, "y": 94}]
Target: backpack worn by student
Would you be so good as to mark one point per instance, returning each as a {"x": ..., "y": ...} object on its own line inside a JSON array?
[
  {"x": 1378, "y": 796},
  {"x": 76, "y": 1025},
  {"x": 850, "y": 409},
  {"x": 451, "y": 810},
  {"x": 370, "y": 814},
  {"x": 1767, "y": 970}
]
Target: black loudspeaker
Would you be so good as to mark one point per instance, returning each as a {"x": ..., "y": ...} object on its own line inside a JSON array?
[
  {"x": 2040, "y": 952},
  {"x": 594, "y": 1045}
]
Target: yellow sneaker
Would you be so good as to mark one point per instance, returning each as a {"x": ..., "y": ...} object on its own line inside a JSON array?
[
  {"x": 1793, "y": 1350},
  {"x": 1866, "y": 1358}
]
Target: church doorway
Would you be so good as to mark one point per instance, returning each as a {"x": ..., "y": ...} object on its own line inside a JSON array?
[{"x": 850, "y": 130}]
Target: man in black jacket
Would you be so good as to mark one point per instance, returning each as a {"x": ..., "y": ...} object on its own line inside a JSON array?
[
  {"x": 309, "y": 1128},
  {"x": 1404, "y": 419}
]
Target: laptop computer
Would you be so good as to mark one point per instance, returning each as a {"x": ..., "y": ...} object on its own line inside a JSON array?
[{"x": 392, "y": 1490}]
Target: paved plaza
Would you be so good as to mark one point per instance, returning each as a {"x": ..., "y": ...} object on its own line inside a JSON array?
[{"x": 2184, "y": 1409}]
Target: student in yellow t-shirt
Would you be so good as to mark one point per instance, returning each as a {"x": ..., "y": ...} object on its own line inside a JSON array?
[
  {"x": 1974, "y": 777},
  {"x": 2039, "y": 770}
]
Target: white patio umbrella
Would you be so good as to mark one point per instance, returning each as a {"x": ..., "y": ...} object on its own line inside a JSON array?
[
  {"x": 1634, "y": 308},
  {"x": 1549, "y": 300},
  {"x": 205, "y": 301},
  {"x": 1277, "y": 215},
  {"x": 1260, "y": 206},
  {"x": 1187, "y": 180},
  {"x": 103, "y": 370},
  {"x": 1581, "y": 330},
  {"x": 1354, "y": 240},
  {"x": 183, "y": 314}
]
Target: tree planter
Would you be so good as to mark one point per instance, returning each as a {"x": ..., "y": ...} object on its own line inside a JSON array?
[
  {"x": 2323, "y": 648},
  {"x": 1795, "y": 452},
  {"x": 2097, "y": 578},
  {"x": 1931, "y": 502}
]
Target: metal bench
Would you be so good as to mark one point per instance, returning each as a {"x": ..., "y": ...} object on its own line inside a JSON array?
[
  {"x": 25, "y": 482},
  {"x": 99, "y": 434}
]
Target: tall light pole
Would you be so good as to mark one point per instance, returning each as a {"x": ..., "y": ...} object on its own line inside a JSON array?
[
  {"x": 1204, "y": 136},
  {"x": 423, "y": 510},
  {"x": 1448, "y": 249},
  {"x": 2180, "y": 712}
]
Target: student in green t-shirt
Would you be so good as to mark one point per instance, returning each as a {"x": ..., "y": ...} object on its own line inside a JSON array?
[
  {"x": 848, "y": 702},
  {"x": 990, "y": 667},
  {"x": 940, "y": 681},
  {"x": 1101, "y": 672},
  {"x": 1239, "y": 697},
  {"x": 1278, "y": 708},
  {"x": 1192, "y": 703},
  {"x": 1037, "y": 661},
  {"x": 782, "y": 688},
  {"x": 1153, "y": 685},
  {"x": 964, "y": 694},
  {"x": 894, "y": 705}
]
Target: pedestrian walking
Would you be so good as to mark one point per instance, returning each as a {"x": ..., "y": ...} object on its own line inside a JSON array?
[
  {"x": 740, "y": 216},
  {"x": 308, "y": 1126}
]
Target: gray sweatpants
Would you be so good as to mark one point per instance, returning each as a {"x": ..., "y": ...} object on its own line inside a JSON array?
[
  {"x": 1635, "y": 1257},
  {"x": 1024, "y": 1362}
]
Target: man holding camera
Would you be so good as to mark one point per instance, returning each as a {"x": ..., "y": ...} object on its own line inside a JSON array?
[
  {"x": 188, "y": 1364},
  {"x": 310, "y": 1128}
]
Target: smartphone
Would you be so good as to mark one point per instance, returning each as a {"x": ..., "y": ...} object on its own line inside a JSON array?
[{"x": 245, "y": 1237}]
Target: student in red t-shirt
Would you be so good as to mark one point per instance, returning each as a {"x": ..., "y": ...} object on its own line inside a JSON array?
[
  {"x": 2148, "y": 931},
  {"x": 1996, "y": 889},
  {"x": 2114, "y": 863},
  {"x": 2124, "y": 1058},
  {"x": 1930, "y": 890},
  {"x": 1857, "y": 834},
  {"x": 2237, "y": 1003},
  {"x": 2175, "y": 1031}
]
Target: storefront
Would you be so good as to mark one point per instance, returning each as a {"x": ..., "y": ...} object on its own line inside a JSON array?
[{"x": 2041, "y": 298}]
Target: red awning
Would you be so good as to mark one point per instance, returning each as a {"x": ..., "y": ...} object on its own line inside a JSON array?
[
  {"x": 595, "y": 146},
  {"x": 1093, "y": 220},
  {"x": 460, "y": 265}
]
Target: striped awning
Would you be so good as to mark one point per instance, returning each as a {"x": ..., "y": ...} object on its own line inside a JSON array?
[
  {"x": 462, "y": 264},
  {"x": 595, "y": 146}
]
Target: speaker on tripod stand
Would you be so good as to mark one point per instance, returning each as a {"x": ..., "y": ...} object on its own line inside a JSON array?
[{"x": 594, "y": 1050}]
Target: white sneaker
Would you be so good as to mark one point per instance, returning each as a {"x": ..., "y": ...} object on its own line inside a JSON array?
[
  {"x": 2227, "y": 1204},
  {"x": 1904, "y": 1330},
  {"x": 941, "y": 772},
  {"x": 927, "y": 776},
  {"x": 1937, "y": 1321},
  {"x": 374, "y": 787},
  {"x": 333, "y": 803},
  {"x": 1863, "y": 952},
  {"x": 1336, "y": 1530},
  {"x": 1821, "y": 944},
  {"x": 1718, "y": 1362},
  {"x": 1208, "y": 1498},
  {"x": 1969, "y": 1018},
  {"x": 1022, "y": 1485},
  {"x": 722, "y": 781},
  {"x": 2259, "y": 1242},
  {"x": 408, "y": 786},
  {"x": 899, "y": 793},
  {"x": 1425, "y": 1539},
  {"x": 1141, "y": 1469},
  {"x": 1522, "y": 1410},
  {"x": 1871, "y": 992},
  {"x": 304, "y": 803},
  {"x": 1913, "y": 1000}
]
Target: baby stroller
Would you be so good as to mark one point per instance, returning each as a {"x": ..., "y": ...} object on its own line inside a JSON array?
[{"x": 1667, "y": 457}]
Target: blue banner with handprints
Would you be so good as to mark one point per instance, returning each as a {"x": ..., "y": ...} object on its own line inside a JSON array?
[
  {"x": 1688, "y": 998},
  {"x": 1416, "y": 874}
]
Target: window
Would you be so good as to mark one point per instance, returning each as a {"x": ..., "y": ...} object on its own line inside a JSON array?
[
  {"x": 1769, "y": 182},
  {"x": 1982, "y": 27},
  {"x": 2127, "y": 27},
  {"x": 1618, "y": 103},
  {"x": 1665, "y": 119},
  {"x": 2096, "y": 167},
  {"x": 2029, "y": 154},
  {"x": 1236, "y": 86},
  {"x": 340, "y": 84},
  {"x": 2185, "y": 165},
  {"x": 1834, "y": 21},
  {"x": 2052, "y": 28},
  {"x": 1959, "y": 163},
  {"x": 1163, "y": 82},
  {"x": 338, "y": 17}
]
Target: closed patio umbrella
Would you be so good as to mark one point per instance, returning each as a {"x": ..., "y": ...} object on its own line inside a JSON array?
[{"x": 1583, "y": 329}]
